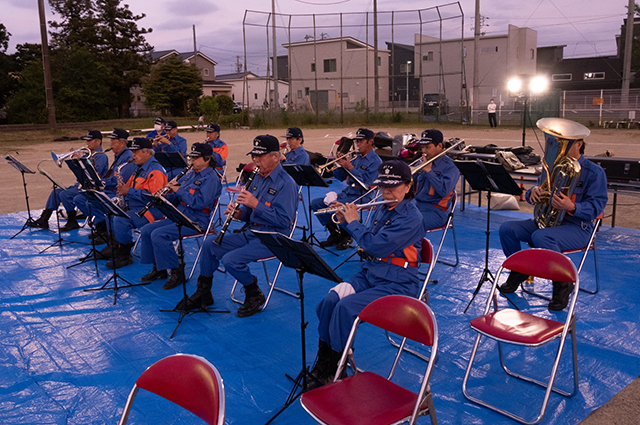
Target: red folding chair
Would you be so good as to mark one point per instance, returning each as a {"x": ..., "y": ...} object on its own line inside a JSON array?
[
  {"x": 366, "y": 398},
  {"x": 448, "y": 225},
  {"x": 189, "y": 381},
  {"x": 509, "y": 326}
]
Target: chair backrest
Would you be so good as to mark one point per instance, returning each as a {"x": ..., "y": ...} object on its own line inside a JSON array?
[
  {"x": 190, "y": 382},
  {"x": 426, "y": 251},
  {"x": 405, "y": 316},
  {"x": 542, "y": 263}
]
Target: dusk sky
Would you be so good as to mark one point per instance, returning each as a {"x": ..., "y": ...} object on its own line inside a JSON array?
[{"x": 587, "y": 28}]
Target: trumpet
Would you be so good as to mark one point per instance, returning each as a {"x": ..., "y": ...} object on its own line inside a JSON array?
[
  {"x": 86, "y": 153},
  {"x": 360, "y": 207},
  {"x": 321, "y": 169}
]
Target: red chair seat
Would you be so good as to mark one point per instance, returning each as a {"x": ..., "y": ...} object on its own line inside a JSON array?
[
  {"x": 234, "y": 189},
  {"x": 362, "y": 399},
  {"x": 516, "y": 326}
]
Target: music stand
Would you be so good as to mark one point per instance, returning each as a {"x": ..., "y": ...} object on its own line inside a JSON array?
[
  {"x": 298, "y": 255},
  {"x": 170, "y": 160},
  {"x": 11, "y": 160},
  {"x": 489, "y": 177},
  {"x": 102, "y": 202},
  {"x": 55, "y": 184}
]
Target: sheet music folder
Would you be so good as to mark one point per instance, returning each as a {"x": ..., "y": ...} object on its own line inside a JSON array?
[
  {"x": 297, "y": 255},
  {"x": 85, "y": 173},
  {"x": 171, "y": 212},
  {"x": 488, "y": 176},
  {"x": 170, "y": 159},
  {"x": 102, "y": 202},
  {"x": 13, "y": 161},
  {"x": 305, "y": 175}
]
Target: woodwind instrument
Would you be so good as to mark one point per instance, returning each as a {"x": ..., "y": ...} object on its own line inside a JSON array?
[
  {"x": 119, "y": 200},
  {"x": 229, "y": 218},
  {"x": 164, "y": 190},
  {"x": 359, "y": 207}
]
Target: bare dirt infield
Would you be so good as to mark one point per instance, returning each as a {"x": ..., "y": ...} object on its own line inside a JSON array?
[{"x": 36, "y": 146}]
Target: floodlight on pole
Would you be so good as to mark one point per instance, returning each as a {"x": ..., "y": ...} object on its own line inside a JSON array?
[
  {"x": 525, "y": 87},
  {"x": 407, "y": 99}
]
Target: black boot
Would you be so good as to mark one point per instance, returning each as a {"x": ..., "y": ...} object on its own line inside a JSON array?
[
  {"x": 72, "y": 222},
  {"x": 43, "y": 221},
  {"x": 335, "y": 235},
  {"x": 321, "y": 367},
  {"x": 253, "y": 299},
  {"x": 100, "y": 233},
  {"x": 345, "y": 242},
  {"x": 560, "y": 297},
  {"x": 513, "y": 282},
  {"x": 201, "y": 298},
  {"x": 122, "y": 256},
  {"x": 176, "y": 278},
  {"x": 330, "y": 372},
  {"x": 153, "y": 275}
]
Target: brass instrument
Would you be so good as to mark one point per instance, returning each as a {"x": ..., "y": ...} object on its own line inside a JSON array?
[
  {"x": 163, "y": 190},
  {"x": 563, "y": 176},
  {"x": 359, "y": 207},
  {"x": 322, "y": 168},
  {"x": 419, "y": 167},
  {"x": 227, "y": 222},
  {"x": 86, "y": 153}
]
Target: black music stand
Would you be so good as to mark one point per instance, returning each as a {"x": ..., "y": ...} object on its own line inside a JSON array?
[
  {"x": 170, "y": 160},
  {"x": 489, "y": 177},
  {"x": 173, "y": 214},
  {"x": 55, "y": 184},
  {"x": 11, "y": 160},
  {"x": 102, "y": 202},
  {"x": 297, "y": 255}
]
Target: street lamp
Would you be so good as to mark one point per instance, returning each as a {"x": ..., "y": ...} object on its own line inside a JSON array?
[
  {"x": 526, "y": 86},
  {"x": 407, "y": 100}
]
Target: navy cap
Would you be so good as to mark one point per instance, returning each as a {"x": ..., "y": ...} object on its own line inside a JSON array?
[
  {"x": 294, "y": 132},
  {"x": 170, "y": 125},
  {"x": 141, "y": 143},
  {"x": 393, "y": 173},
  {"x": 119, "y": 133},
  {"x": 264, "y": 144},
  {"x": 213, "y": 128},
  {"x": 92, "y": 135},
  {"x": 159, "y": 120},
  {"x": 364, "y": 134},
  {"x": 198, "y": 150},
  {"x": 430, "y": 136}
]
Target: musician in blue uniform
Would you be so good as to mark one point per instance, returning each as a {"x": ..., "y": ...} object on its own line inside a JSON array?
[
  {"x": 585, "y": 205},
  {"x": 392, "y": 243},
  {"x": 365, "y": 168},
  {"x": 296, "y": 154},
  {"x": 220, "y": 149},
  {"x": 171, "y": 141},
  {"x": 149, "y": 177},
  {"x": 436, "y": 182},
  {"x": 195, "y": 195},
  {"x": 269, "y": 204},
  {"x": 158, "y": 129},
  {"x": 122, "y": 156},
  {"x": 66, "y": 196}
]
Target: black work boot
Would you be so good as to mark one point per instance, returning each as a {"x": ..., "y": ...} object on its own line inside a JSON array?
[
  {"x": 153, "y": 275},
  {"x": 100, "y": 233},
  {"x": 560, "y": 297},
  {"x": 72, "y": 222},
  {"x": 253, "y": 299},
  {"x": 513, "y": 282},
  {"x": 201, "y": 298},
  {"x": 122, "y": 256},
  {"x": 321, "y": 367},
  {"x": 335, "y": 235},
  {"x": 43, "y": 221},
  {"x": 345, "y": 242},
  {"x": 176, "y": 279}
]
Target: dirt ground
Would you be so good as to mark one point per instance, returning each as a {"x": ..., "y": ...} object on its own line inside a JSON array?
[{"x": 34, "y": 149}]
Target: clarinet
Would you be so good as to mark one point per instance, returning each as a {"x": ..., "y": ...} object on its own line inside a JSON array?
[
  {"x": 229, "y": 218},
  {"x": 163, "y": 190}
]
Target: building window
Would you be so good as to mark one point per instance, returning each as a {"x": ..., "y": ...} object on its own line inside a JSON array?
[
  {"x": 306, "y": 91},
  {"x": 403, "y": 68},
  {"x": 561, "y": 77},
  {"x": 255, "y": 96},
  {"x": 428, "y": 57},
  {"x": 532, "y": 53},
  {"x": 313, "y": 67},
  {"x": 490, "y": 49},
  {"x": 379, "y": 61},
  {"x": 594, "y": 75},
  {"x": 205, "y": 72},
  {"x": 329, "y": 65},
  {"x": 344, "y": 95},
  {"x": 299, "y": 94}
]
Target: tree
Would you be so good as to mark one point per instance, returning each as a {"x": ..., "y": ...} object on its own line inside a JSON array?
[
  {"x": 209, "y": 108},
  {"x": 171, "y": 85},
  {"x": 28, "y": 104},
  {"x": 8, "y": 82},
  {"x": 4, "y": 38},
  {"x": 77, "y": 25},
  {"x": 225, "y": 104}
]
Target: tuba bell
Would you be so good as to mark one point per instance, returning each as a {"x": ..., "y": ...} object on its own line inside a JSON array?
[{"x": 560, "y": 171}]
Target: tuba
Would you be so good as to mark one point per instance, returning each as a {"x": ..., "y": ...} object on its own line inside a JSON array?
[{"x": 561, "y": 171}]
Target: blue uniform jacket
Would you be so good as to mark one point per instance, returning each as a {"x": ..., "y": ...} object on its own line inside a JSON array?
[
  {"x": 178, "y": 144},
  {"x": 197, "y": 195},
  {"x": 217, "y": 145},
  {"x": 101, "y": 162},
  {"x": 365, "y": 168},
  {"x": 436, "y": 187},
  {"x": 147, "y": 178},
  {"x": 122, "y": 157},
  {"x": 396, "y": 232},
  {"x": 278, "y": 200},
  {"x": 153, "y": 134},
  {"x": 590, "y": 194},
  {"x": 297, "y": 156}
]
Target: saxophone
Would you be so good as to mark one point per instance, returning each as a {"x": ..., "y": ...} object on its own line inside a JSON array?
[
  {"x": 560, "y": 134},
  {"x": 119, "y": 200}
]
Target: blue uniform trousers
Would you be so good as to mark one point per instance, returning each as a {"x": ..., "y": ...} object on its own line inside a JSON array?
[
  {"x": 432, "y": 217},
  {"x": 236, "y": 252},
  {"x": 336, "y": 316},
  {"x": 122, "y": 227},
  {"x": 82, "y": 202},
  {"x": 62, "y": 196},
  {"x": 560, "y": 238},
  {"x": 156, "y": 243},
  {"x": 316, "y": 204}
]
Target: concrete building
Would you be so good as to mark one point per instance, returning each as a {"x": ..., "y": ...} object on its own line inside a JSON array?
[
  {"x": 254, "y": 90},
  {"x": 336, "y": 73}
]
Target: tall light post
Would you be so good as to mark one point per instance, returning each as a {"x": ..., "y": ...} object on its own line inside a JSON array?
[
  {"x": 525, "y": 87},
  {"x": 407, "y": 99}
]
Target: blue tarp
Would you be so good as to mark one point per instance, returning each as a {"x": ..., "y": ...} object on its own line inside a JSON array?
[{"x": 68, "y": 356}]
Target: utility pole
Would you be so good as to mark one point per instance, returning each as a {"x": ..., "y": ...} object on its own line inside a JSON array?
[
  {"x": 376, "y": 91},
  {"x": 628, "y": 44},
  {"x": 195, "y": 49},
  {"x": 476, "y": 59},
  {"x": 46, "y": 64},
  {"x": 276, "y": 102}
]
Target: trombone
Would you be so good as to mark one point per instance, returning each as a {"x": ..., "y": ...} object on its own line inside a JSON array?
[
  {"x": 322, "y": 168},
  {"x": 419, "y": 167},
  {"x": 86, "y": 153}
]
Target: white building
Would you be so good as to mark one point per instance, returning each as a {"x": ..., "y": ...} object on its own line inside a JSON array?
[{"x": 254, "y": 90}]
